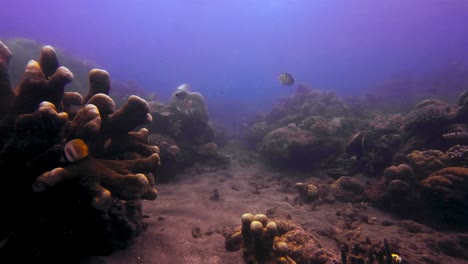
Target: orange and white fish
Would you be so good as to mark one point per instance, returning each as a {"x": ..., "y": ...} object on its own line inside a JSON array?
[{"x": 74, "y": 150}]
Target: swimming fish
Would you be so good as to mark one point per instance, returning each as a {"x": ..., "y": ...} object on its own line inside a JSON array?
[
  {"x": 285, "y": 78},
  {"x": 183, "y": 87},
  {"x": 180, "y": 99},
  {"x": 74, "y": 150},
  {"x": 396, "y": 258}
]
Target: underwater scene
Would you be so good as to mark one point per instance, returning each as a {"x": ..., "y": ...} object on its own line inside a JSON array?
[{"x": 235, "y": 131}]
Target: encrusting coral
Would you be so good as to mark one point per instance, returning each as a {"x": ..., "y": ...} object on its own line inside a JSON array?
[
  {"x": 400, "y": 172},
  {"x": 92, "y": 201},
  {"x": 287, "y": 147},
  {"x": 302, "y": 132},
  {"x": 446, "y": 192}
]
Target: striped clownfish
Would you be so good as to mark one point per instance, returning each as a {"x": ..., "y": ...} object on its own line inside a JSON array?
[{"x": 74, "y": 150}]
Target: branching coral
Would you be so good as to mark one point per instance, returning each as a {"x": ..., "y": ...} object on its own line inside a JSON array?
[
  {"x": 104, "y": 179},
  {"x": 97, "y": 198},
  {"x": 34, "y": 88},
  {"x": 99, "y": 82}
]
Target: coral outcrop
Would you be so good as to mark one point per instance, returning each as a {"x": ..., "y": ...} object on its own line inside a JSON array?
[
  {"x": 446, "y": 193},
  {"x": 302, "y": 131},
  {"x": 307, "y": 192},
  {"x": 293, "y": 147},
  {"x": 282, "y": 241},
  {"x": 185, "y": 134},
  {"x": 86, "y": 205},
  {"x": 402, "y": 150},
  {"x": 434, "y": 196}
]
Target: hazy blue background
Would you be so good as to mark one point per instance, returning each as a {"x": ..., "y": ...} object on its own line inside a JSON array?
[{"x": 231, "y": 50}]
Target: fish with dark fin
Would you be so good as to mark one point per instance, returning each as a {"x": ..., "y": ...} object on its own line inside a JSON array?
[{"x": 285, "y": 79}]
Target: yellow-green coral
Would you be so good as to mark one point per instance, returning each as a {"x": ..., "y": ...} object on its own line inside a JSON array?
[
  {"x": 425, "y": 162},
  {"x": 307, "y": 192},
  {"x": 281, "y": 241}
]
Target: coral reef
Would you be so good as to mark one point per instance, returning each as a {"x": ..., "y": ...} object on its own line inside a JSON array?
[
  {"x": 307, "y": 192},
  {"x": 426, "y": 127},
  {"x": 366, "y": 252},
  {"x": 429, "y": 129},
  {"x": 183, "y": 132},
  {"x": 317, "y": 132},
  {"x": 430, "y": 194},
  {"x": 25, "y": 49},
  {"x": 293, "y": 147},
  {"x": 310, "y": 124},
  {"x": 456, "y": 156},
  {"x": 347, "y": 189},
  {"x": 425, "y": 162},
  {"x": 281, "y": 241},
  {"x": 446, "y": 193},
  {"x": 85, "y": 205}
]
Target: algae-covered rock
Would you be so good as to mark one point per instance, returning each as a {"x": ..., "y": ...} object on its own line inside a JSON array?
[{"x": 294, "y": 147}]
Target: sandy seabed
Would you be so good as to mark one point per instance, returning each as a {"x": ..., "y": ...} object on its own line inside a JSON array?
[{"x": 186, "y": 226}]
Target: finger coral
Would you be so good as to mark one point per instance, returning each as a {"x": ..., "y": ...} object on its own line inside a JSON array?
[
  {"x": 104, "y": 179},
  {"x": 78, "y": 200},
  {"x": 282, "y": 241}
]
